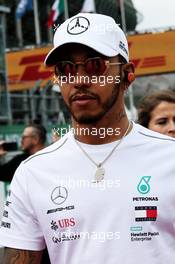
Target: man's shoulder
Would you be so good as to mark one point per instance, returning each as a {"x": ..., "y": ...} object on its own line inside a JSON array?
[
  {"x": 47, "y": 152},
  {"x": 152, "y": 136}
]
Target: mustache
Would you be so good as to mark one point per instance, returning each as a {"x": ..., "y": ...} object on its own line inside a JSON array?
[{"x": 83, "y": 92}]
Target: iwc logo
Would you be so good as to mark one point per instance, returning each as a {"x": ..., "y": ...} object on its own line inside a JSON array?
[
  {"x": 78, "y": 25},
  {"x": 59, "y": 195}
]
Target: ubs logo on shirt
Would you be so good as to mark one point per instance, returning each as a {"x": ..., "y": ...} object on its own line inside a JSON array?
[
  {"x": 63, "y": 223},
  {"x": 68, "y": 222}
]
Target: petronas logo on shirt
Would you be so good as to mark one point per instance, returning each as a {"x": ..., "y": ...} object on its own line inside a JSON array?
[{"x": 143, "y": 187}]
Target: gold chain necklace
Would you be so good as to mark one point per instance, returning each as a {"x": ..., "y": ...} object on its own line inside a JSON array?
[{"x": 100, "y": 171}]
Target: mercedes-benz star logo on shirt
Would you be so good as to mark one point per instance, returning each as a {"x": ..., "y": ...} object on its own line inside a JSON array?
[
  {"x": 59, "y": 195},
  {"x": 78, "y": 25}
]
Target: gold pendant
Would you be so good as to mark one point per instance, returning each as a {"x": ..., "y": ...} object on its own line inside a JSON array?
[{"x": 99, "y": 175}]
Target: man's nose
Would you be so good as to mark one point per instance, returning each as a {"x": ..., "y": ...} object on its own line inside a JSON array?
[
  {"x": 82, "y": 79},
  {"x": 171, "y": 127}
]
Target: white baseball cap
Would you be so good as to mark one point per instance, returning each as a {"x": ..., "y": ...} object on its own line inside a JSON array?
[{"x": 99, "y": 32}]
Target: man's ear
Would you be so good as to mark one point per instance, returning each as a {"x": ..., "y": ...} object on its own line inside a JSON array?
[
  {"x": 36, "y": 140},
  {"x": 128, "y": 75}
]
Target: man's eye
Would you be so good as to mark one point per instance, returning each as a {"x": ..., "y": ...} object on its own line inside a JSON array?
[{"x": 162, "y": 122}]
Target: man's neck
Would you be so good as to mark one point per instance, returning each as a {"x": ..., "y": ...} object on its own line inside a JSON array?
[{"x": 105, "y": 131}]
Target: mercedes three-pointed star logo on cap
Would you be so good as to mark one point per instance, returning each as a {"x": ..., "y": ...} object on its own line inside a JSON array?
[{"x": 78, "y": 25}]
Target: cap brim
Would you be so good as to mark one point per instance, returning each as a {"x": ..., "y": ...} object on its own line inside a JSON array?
[{"x": 51, "y": 58}]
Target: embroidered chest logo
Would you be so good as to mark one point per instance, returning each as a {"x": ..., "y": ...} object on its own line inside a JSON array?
[
  {"x": 145, "y": 213},
  {"x": 78, "y": 25},
  {"x": 59, "y": 195},
  {"x": 143, "y": 187}
]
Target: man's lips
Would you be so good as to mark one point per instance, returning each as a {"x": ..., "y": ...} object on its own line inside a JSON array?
[{"x": 82, "y": 99}]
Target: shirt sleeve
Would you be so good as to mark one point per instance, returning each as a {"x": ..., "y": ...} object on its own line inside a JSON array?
[{"x": 19, "y": 226}]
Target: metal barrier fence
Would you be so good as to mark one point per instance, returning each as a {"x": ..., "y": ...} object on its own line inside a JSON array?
[{"x": 44, "y": 105}]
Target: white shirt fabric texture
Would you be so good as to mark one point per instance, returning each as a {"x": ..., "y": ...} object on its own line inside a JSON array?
[{"x": 128, "y": 218}]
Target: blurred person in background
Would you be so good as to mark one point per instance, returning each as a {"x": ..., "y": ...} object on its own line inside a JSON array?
[
  {"x": 33, "y": 139},
  {"x": 156, "y": 111},
  {"x": 55, "y": 136}
]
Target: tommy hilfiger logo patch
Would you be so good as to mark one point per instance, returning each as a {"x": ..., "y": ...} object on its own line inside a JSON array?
[{"x": 145, "y": 213}]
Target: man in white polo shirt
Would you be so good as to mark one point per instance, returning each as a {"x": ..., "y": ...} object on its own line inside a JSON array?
[{"x": 104, "y": 193}]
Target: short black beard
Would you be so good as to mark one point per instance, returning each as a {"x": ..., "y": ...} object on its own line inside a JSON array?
[{"x": 87, "y": 120}]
